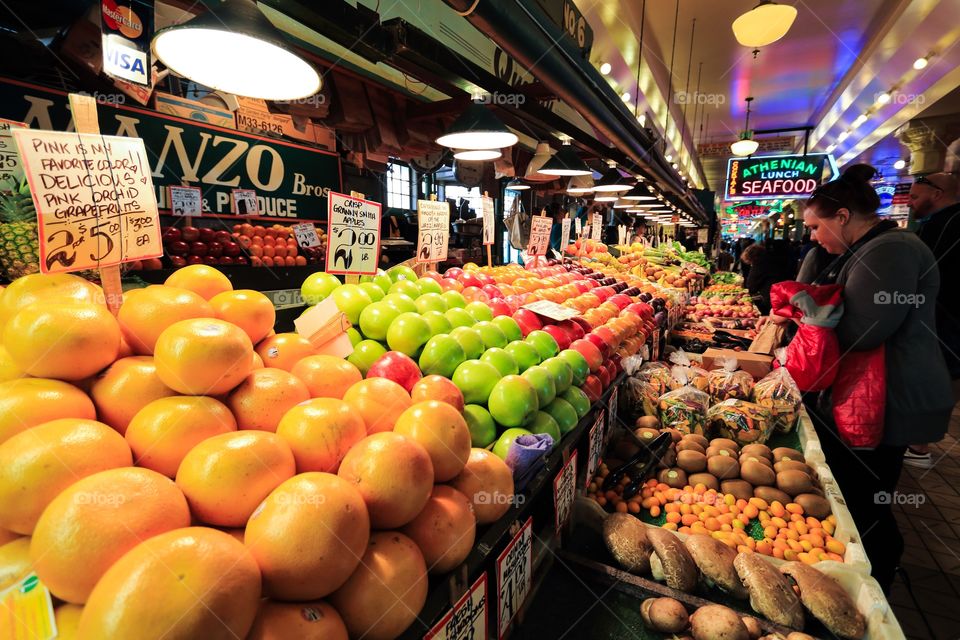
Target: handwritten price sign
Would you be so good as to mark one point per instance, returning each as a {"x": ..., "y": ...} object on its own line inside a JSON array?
[
  {"x": 244, "y": 202},
  {"x": 186, "y": 201},
  {"x": 468, "y": 618},
  {"x": 94, "y": 198},
  {"x": 353, "y": 235},
  {"x": 489, "y": 223},
  {"x": 564, "y": 233},
  {"x": 433, "y": 221},
  {"x": 564, "y": 490},
  {"x": 306, "y": 235},
  {"x": 539, "y": 235},
  {"x": 596, "y": 447},
  {"x": 10, "y": 167},
  {"x": 514, "y": 574},
  {"x": 596, "y": 227}
]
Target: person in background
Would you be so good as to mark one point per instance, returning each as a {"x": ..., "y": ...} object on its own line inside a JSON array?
[
  {"x": 890, "y": 280},
  {"x": 768, "y": 265},
  {"x": 933, "y": 200},
  {"x": 556, "y": 213},
  {"x": 725, "y": 259}
]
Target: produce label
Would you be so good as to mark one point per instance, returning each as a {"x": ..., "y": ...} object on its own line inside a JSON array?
[
  {"x": 468, "y": 618},
  {"x": 612, "y": 406},
  {"x": 552, "y": 310},
  {"x": 621, "y": 234},
  {"x": 244, "y": 202},
  {"x": 596, "y": 447},
  {"x": 433, "y": 220},
  {"x": 94, "y": 199},
  {"x": 565, "y": 233},
  {"x": 596, "y": 227},
  {"x": 26, "y": 611},
  {"x": 306, "y": 234},
  {"x": 539, "y": 235},
  {"x": 353, "y": 235},
  {"x": 514, "y": 575},
  {"x": 489, "y": 223},
  {"x": 186, "y": 201},
  {"x": 564, "y": 490},
  {"x": 10, "y": 166},
  {"x": 579, "y": 225},
  {"x": 702, "y": 235}
]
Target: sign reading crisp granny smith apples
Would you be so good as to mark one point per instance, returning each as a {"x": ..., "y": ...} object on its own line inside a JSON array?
[
  {"x": 353, "y": 235},
  {"x": 489, "y": 223}
]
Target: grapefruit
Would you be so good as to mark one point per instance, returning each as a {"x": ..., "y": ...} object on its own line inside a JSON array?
[
  {"x": 437, "y": 388},
  {"x": 379, "y": 402},
  {"x": 487, "y": 482},
  {"x": 326, "y": 376},
  {"x": 248, "y": 309},
  {"x": 125, "y": 387},
  {"x": 262, "y": 399},
  {"x": 54, "y": 288},
  {"x": 145, "y": 313},
  {"x": 202, "y": 279},
  {"x": 315, "y": 620},
  {"x": 283, "y": 350},
  {"x": 203, "y": 356},
  {"x": 441, "y": 430},
  {"x": 444, "y": 529},
  {"x": 320, "y": 432},
  {"x": 27, "y": 402}
]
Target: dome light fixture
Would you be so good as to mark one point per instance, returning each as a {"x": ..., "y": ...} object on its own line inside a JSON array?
[
  {"x": 900, "y": 164},
  {"x": 477, "y": 128},
  {"x": 476, "y": 155},
  {"x": 746, "y": 145},
  {"x": 859, "y": 120},
  {"x": 517, "y": 185},
  {"x": 921, "y": 63},
  {"x": 624, "y": 204},
  {"x": 764, "y": 24},
  {"x": 565, "y": 162},
  {"x": 236, "y": 49},
  {"x": 579, "y": 185},
  {"x": 884, "y": 97},
  {"x": 607, "y": 197},
  {"x": 612, "y": 181},
  {"x": 639, "y": 193},
  {"x": 843, "y": 136},
  {"x": 605, "y": 68}
]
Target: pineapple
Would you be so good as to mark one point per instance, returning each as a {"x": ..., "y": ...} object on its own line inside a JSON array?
[{"x": 19, "y": 250}]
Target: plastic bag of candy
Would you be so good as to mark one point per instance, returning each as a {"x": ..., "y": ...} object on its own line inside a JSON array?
[
  {"x": 685, "y": 409},
  {"x": 778, "y": 393},
  {"x": 742, "y": 421},
  {"x": 647, "y": 384},
  {"x": 729, "y": 382},
  {"x": 685, "y": 372}
]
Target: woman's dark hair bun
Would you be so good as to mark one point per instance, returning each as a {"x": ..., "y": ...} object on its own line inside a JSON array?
[{"x": 859, "y": 173}]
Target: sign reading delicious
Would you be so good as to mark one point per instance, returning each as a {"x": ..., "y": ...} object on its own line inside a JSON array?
[{"x": 777, "y": 176}]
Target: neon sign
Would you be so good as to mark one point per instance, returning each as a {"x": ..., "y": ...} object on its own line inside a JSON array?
[{"x": 791, "y": 176}]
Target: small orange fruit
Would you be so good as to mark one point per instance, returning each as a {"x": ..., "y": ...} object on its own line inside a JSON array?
[
  {"x": 264, "y": 397},
  {"x": 14, "y": 561},
  {"x": 320, "y": 432},
  {"x": 442, "y": 431},
  {"x": 65, "y": 341},
  {"x": 125, "y": 387},
  {"x": 225, "y": 477},
  {"x": 27, "y": 402},
  {"x": 193, "y": 582},
  {"x": 202, "y": 279},
  {"x": 487, "y": 482},
  {"x": 434, "y": 387},
  {"x": 162, "y": 433},
  {"x": 444, "y": 529},
  {"x": 308, "y": 535},
  {"x": 257, "y": 361},
  {"x": 67, "y": 617},
  {"x": 145, "y": 313},
  {"x": 283, "y": 350},
  {"x": 248, "y": 309},
  {"x": 379, "y": 402},
  {"x": 96, "y": 520},
  {"x": 204, "y": 356},
  {"x": 39, "y": 463},
  {"x": 315, "y": 620},
  {"x": 327, "y": 376},
  {"x": 55, "y": 287}
]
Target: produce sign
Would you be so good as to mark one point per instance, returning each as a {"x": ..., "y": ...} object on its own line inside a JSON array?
[
  {"x": 186, "y": 201},
  {"x": 292, "y": 180},
  {"x": 244, "y": 202},
  {"x": 433, "y": 220},
  {"x": 612, "y": 407},
  {"x": 564, "y": 490},
  {"x": 353, "y": 244},
  {"x": 94, "y": 199},
  {"x": 539, "y": 235},
  {"x": 10, "y": 166},
  {"x": 596, "y": 447},
  {"x": 468, "y": 618},
  {"x": 29, "y": 610},
  {"x": 793, "y": 176},
  {"x": 306, "y": 235},
  {"x": 552, "y": 310},
  {"x": 489, "y": 222},
  {"x": 514, "y": 574},
  {"x": 596, "y": 227},
  {"x": 747, "y": 209},
  {"x": 565, "y": 232}
]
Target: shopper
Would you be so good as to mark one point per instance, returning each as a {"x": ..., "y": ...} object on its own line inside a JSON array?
[
  {"x": 934, "y": 202},
  {"x": 768, "y": 265},
  {"x": 890, "y": 281}
]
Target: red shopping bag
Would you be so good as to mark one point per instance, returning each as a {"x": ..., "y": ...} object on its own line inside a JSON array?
[
  {"x": 859, "y": 397},
  {"x": 813, "y": 354}
]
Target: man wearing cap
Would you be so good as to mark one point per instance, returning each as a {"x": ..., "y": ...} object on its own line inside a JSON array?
[{"x": 934, "y": 202}]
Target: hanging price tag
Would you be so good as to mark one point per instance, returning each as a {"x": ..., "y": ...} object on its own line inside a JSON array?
[
  {"x": 514, "y": 569},
  {"x": 468, "y": 618},
  {"x": 596, "y": 227},
  {"x": 186, "y": 201},
  {"x": 564, "y": 490},
  {"x": 306, "y": 235},
  {"x": 489, "y": 223},
  {"x": 244, "y": 202},
  {"x": 702, "y": 235},
  {"x": 539, "y": 235},
  {"x": 564, "y": 233},
  {"x": 11, "y": 169},
  {"x": 621, "y": 234},
  {"x": 612, "y": 401},
  {"x": 596, "y": 447},
  {"x": 433, "y": 221},
  {"x": 579, "y": 225},
  {"x": 353, "y": 235}
]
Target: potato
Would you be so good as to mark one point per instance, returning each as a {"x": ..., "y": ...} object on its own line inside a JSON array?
[
  {"x": 723, "y": 467},
  {"x": 794, "y": 482},
  {"x": 740, "y": 489},
  {"x": 793, "y": 465},
  {"x": 689, "y": 445},
  {"x": 813, "y": 505},
  {"x": 753, "y": 626},
  {"x": 726, "y": 443},
  {"x": 759, "y": 450},
  {"x": 717, "y": 622},
  {"x": 691, "y": 461},
  {"x": 647, "y": 422},
  {"x": 757, "y": 473},
  {"x": 696, "y": 437},
  {"x": 667, "y": 615},
  {"x": 676, "y": 478},
  {"x": 706, "y": 479},
  {"x": 786, "y": 453},
  {"x": 769, "y": 494}
]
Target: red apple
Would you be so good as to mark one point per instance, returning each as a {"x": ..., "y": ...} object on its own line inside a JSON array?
[
  {"x": 210, "y": 260},
  {"x": 603, "y": 293},
  {"x": 608, "y": 336},
  {"x": 614, "y": 364},
  {"x": 590, "y": 351},
  {"x": 178, "y": 261},
  {"x": 573, "y": 329},
  {"x": 190, "y": 234},
  {"x": 582, "y": 285},
  {"x": 599, "y": 343},
  {"x": 214, "y": 249},
  {"x": 485, "y": 279},
  {"x": 528, "y": 321},
  {"x": 558, "y": 334},
  {"x": 581, "y": 322},
  {"x": 605, "y": 375},
  {"x": 398, "y": 367},
  {"x": 620, "y": 300},
  {"x": 198, "y": 249},
  {"x": 433, "y": 275},
  {"x": 194, "y": 260},
  {"x": 470, "y": 280},
  {"x": 491, "y": 291},
  {"x": 170, "y": 234},
  {"x": 241, "y": 260},
  {"x": 222, "y": 236},
  {"x": 453, "y": 273},
  {"x": 207, "y": 235},
  {"x": 178, "y": 248},
  {"x": 231, "y": 248},
  {"x": 592, "y": 387},
  {"x": 499, "y": 307}
]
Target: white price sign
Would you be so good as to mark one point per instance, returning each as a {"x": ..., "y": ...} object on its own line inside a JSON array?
[
  {"x": 514, "y": 569},
  {"x": 540, "y": 227},
  {"x": 564, "y": 490},
  {"x": 186, "y": 201},
  {"x": 353, "y": 235},
  {"x": 552, "y": 310},
  {"x": 578, "y": 225},
  {"x": 306, "y": 235},
  {"x": 489, "y": 223},
  {"x": 596, "y": 447},
  {"x": 596, "y": 227},
  {"x": 433, "y": 220},
  {"x": 468, "y": 618},
  {"x": 702, "y": 235},
  {"x": 621, "y": 234},
  {"x": 10, "y": 165},
  {"x": 244, "y": 202},
  {"x": 611, "y": 413},
  {"x": 564, "y": 233}
]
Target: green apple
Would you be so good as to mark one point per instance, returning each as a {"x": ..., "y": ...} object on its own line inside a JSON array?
[
  {"x": 470, "y": 341},
  {"x": 509, "y": 327},
  {"x": 476, "y": 379},
  {"x": 402, "y": 272},
  {"x": 438, "y": 322},
  {"x": 351, "y": 300},
  {"x": 459, "y": 317},
  {"x": 429, "y": 285},
  {"x": 407, "y": 288},
  {"x": 564, "y": 413},
  {"x": 365, "y": 354},
  {"x": 408, "y": 333},
  {"x": 561, "y": 371},
  {"x": 381, "y": 279},
  {"x": 546, "y": 346},
  {"x": 400, "y": 302},
  {"x": 454, "y": 299},
  {"x": 441, "y": 355},
  {"x": 502, "y": 360},
  {"x": 375, "y": 292},
  {"x": 354, "y": 335},
  {"x": 578, "y": 365},
  {"x": 578, "y": 400},
  {"x": 524, "y": 353},
  {"x": 513, "y": 401},
  {"x": 479, "y": 311},
  {"x": 542, "y": 381},
  {"x": 491, "y": 336},
  {"x": 318, "y": 286},
  {"x": 483, "y": 430},
  {"x": 376, "y": 318},
  {"x": 505, "y": 441},
  {"x": 543, "y": 422},
  {"x": 430, "y": 302}
]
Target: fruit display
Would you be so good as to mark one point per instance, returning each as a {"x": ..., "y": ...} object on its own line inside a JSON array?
[
  {"x": 19, "y": 245},
  {"x": 245, "y": 244},
  {"x": 723, "y": 302}
]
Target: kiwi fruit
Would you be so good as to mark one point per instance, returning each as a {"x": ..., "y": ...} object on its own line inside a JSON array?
[
  {"x": 714, "y": 450},
  {"x": 753, "y": 626},
  {"x": 646, "y": 434},
  {"x": 813, "y": 505},
  {"x": 689, "y": 445},
  {"x": 647, "y": 422},
  {"x": 676, "y": 478},
  {"x": 726, "y": 443},
  {"x": 740, "y": 489},
  {"x": 757, "y": 473},
  {"x": 744, "y": 457},
  {"x": 793, "y": 465},
  {"x": 758, "y": 450},
  {"x": 769, "y": 494},
  {"x": 723, "y": 467},
  {"x": 781, "y": 453},
  {"x": 794, "y": 482},
  {"x": 699, "y": 439},
  {"x": 675, "y": 434},
  {"x": 691, "y": 461},
  {"x": 706, "y": 479}
]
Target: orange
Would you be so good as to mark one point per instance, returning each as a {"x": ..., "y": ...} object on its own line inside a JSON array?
[
  {"x": 393, "y": 474},
  {"x": 257, "y": 361},
  {"x": 96, "y": 520},
  {"x": 320, "y": 432},
  {"x": 315, "y": 620},
  {"x": 250, "y": 310},
  {"x": 327, "y": 376},
  {"x": 204, "y": 356},
  {"x": 14, "y": 561},
  {"x": 264, "y": 397},
  {"x": 127, "y": 386},
  {"x": 487, "y": 482},
  {"x": 442, "y": 431},
  {"x": 8, "y": 368},
  {"x": 444, "y": 529},
  {"x": 202, "y": 279},
  {"x": 56, "y": 288},
  {"x": 386, "y": 593},
  {"x": 147, "y": 312},
  {"x": 66, "y": 341},
  {"x": 39, "y": 463},
  {"x": 225, "y": 477},
  {"x": 67, "y": 617},
  {"x": 379, "y": 402},
  {"x": 283, "y": 350},
  {"x": 162, "y": 433},
  {"x": 185, "y": 584},
  {"x": 434, "y": 387},
  {"x": 308, "y": 535},
  {"x": 27, "y": 402}
]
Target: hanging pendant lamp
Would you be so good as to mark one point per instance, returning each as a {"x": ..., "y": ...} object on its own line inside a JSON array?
[
  {"x": 517, "y": 185},
  {"x": 540, "y": 157},
  {"x": 477, "y": 155},
  {"x": 746, "y": 145},
  {"x": 764, "y": 24},
  {"x": 580, "y": 185},
  {"x": 612, "y": 181},
  {"x": 640, "y": 192},
  {"x": 565, "y": 162},
  {"x": 477, "y": 128}
]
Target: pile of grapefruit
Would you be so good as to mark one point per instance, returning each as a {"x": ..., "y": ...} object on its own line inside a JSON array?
[{"x": 162, "y": 481}]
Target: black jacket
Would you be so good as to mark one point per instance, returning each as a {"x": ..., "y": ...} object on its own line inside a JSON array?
[{"x": 941, "y": 232}]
